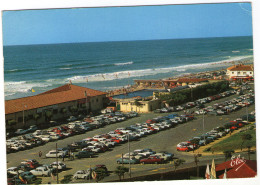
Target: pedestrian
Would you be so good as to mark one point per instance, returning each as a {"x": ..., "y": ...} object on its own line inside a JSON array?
[
  {"x": 72, "y": 156},
  {"x": 63, "y": 156},
  {"x": 230, "y": 133},
  {"x": 40, "y": 154}
]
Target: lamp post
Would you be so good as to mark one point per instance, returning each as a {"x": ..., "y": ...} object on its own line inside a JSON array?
[
  {"x": 129, "y": 155},
  {"x": 24, "y": 106},
  {"x": 57, "y": 163}
]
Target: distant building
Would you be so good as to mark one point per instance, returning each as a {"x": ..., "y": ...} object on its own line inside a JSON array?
[
  {"x": 158, "y": 84},
  {"x": 240, "y": 71},
  {"x": 140, "y": 106},
  {"x": 54, "y": 104}
]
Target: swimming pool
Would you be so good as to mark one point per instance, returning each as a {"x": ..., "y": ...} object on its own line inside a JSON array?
[{"x": 143, "y": 93}]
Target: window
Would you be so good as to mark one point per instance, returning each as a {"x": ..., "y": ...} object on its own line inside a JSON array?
[
  {"x": 238, "y": 73},
  {"x": 232, "y": 72},
  {"x": 30, "y": 116},
  {"x": 20, "y": 119},
  {"x": 55, "y": 111},
  {"x": 250, "y": 72},
  {"x": 244, "y": 73},
  {"x": 97, "y": 100}
]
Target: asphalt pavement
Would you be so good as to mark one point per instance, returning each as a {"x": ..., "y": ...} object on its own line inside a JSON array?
[{"x": 162, "y": 141}]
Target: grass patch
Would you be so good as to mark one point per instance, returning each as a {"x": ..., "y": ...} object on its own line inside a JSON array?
[{"x": 234, "y": 142}]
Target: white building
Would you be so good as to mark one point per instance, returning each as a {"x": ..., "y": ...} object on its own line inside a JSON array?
[{"x": 240, "y": 71}]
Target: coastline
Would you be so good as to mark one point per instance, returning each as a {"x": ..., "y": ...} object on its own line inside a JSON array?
[{"x": 134, "y": 88}]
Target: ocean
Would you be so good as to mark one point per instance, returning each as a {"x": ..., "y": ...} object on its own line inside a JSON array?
[{"x": 109, "y": 65}]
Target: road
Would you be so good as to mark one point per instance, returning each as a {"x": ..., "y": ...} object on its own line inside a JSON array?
[{"x": 165, "y": 140}]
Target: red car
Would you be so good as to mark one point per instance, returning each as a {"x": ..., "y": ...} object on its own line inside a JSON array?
[
  {"x": 152, "y": 160},
  {"x": 183, "y": 148},
  {"x": 149, "y": 121},
  {"x": 116, "y": 140}
]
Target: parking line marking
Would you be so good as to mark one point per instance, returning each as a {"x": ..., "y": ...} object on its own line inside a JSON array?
[
  {"x": 154, "y": 170},
  {"x": 162, "y": 168}
]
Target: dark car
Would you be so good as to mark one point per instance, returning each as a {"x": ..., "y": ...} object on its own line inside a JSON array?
[
  {"x": 28, "y": 176},
  {"x": 84, "y": 154}
]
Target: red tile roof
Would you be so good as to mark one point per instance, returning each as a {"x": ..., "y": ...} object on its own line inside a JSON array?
[
  {"x": 242, "y": 170},
  {"x": 65, "y": 93},
  {"x": 241, "y": 67}
]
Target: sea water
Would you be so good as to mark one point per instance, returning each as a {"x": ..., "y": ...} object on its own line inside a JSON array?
[{"x": 109, "y": 65}]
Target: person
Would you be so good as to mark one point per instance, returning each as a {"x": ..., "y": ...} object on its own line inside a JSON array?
[
  {"x": 63, "y": 156},
  {"x": 72, "y": 156},
  {"x": 40, "y": 154}
]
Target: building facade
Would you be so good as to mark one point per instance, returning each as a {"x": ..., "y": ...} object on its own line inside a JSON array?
[
  {"x": 140, "y": 106},
  {"x": 240, "y": 71},
  {"x": 55, "y": 104}
]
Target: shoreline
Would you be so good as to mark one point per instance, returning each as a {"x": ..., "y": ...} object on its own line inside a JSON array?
[{"x": 132, "y": 88}]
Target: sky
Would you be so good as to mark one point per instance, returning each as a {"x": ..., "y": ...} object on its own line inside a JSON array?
[{"x": 26, "y": 27}]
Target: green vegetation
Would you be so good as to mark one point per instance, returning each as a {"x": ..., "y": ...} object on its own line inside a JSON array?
[
  {"x": 182, "y": 96},
  {"x": 228, "y": 154},
  {"x": 66, "y": 179},
  {"x": 120, "y": 171},
  {"x": 11, "y": 122},
  {"x": 74, "y": 109},
  {"x": 234, "y": 141},
  {"x": 177, "y": 163},
  {"x": 101, "y": 173},
  {"x": 48, "y": 115},
  {"x": 37, "y": 181}
]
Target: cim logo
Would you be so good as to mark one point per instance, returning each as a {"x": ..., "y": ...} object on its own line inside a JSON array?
[{"x": 237, "y": 161}]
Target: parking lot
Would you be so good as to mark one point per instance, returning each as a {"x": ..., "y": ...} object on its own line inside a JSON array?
[{"x": 162, "y": 141}]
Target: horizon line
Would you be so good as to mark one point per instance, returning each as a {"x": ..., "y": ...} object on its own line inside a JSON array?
[{"x": 126, "y": 40}]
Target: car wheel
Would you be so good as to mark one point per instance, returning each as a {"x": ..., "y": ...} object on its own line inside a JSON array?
[
  {"x": 60, "y": 156},
  {"x": 76, "y": 177},
  {"x": 143, "y": 163},
  {"x": 85, "y": 177},
  {"x": 43, "y": 175},
  {"x": 156, "y": 162},
  {"x": 118, "y": 162}
]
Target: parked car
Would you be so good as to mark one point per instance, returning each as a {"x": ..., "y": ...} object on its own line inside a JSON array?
[
  {"x": 60, "y": 165},
  {"x": 14, "y": 170},
  {"x": 84, "y": 154},
  {"x": 28, "y": 176},
  {"x": 127, "y": 161},
  {"x": 82, "y": 174},
  {"x": 54, "y": 153},
  {"x": 41, "y": 171},
  {"x": 152, "y": 160}
]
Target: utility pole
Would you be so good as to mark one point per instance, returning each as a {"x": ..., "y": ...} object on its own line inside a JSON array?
[
  {"x": 203, "y": 122},
  {"x": 86, "y": 101},
  {"x": 196, "y": 160},
  {"x": 129, "y": 155},
  {"x": 247, "y": 112},
  {"x": 57, "y": 172}
]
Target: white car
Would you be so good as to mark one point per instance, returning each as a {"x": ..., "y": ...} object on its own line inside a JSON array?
[
  {"x": 61, "y": 166},
  {"x": 72, "y": 118},
  {"x": 92, "y": 149},
  {"x": 54, "y": 153},
  {"x": 45, "y": 138},
  {"x": 82, "y": 174},
  {"x": 14, "y": 170},
  {"x": 41, "y": 171},
  {"x": 20, "y": 131}
]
